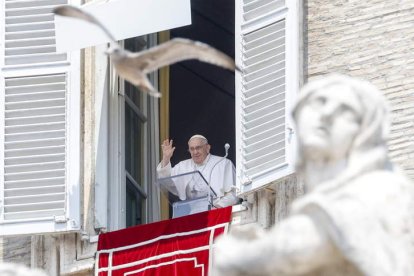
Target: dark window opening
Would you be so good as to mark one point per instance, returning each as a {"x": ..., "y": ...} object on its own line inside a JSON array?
[{"x": 202, "y": 95}]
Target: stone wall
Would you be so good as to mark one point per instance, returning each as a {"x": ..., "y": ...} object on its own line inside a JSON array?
[
  {"x": 374, "y": 40},
  {"x": 16, "y": 250}
]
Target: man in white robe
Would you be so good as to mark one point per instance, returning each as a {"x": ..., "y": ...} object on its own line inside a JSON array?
[{"x": 217, "y": 171}]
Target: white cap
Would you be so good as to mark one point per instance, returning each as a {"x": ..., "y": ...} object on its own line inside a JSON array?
[{"x": 198, "y": 136}]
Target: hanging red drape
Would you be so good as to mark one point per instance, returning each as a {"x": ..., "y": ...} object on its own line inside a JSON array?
[{"x": 180, "y": 246}]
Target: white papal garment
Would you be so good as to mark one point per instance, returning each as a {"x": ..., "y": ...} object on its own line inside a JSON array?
[{"x": 216, "y": 170}]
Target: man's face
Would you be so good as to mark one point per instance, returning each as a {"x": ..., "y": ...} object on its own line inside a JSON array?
[
  {"x": 329, "y": 122},
  {"x": 198, "y": 149}
]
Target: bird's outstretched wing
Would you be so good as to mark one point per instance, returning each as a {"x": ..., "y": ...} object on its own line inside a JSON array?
[
  {"x": 180, "y": 49},
  {"x": 72, "y": 11}
]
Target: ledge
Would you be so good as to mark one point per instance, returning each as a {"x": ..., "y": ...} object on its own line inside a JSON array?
[
  {"x": 238, "y": 208},
  {"x": 79, "y": 267}
]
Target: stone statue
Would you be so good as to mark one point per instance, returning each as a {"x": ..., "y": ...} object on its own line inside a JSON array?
[{"x": 357, "y": 214}]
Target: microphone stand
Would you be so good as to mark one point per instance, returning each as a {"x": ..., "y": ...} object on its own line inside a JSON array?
[{"x": 226, "y": 148}]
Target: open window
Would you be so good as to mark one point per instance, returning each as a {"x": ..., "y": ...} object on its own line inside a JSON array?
[{"x": 249, "y": 110}]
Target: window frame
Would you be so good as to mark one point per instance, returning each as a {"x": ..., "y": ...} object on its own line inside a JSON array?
[
  {"x": 117, "y": 175},
  {"x": 141, "y": 189}
]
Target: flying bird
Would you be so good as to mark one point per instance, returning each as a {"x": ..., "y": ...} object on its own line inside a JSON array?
[{"x": 134, "y": 66}]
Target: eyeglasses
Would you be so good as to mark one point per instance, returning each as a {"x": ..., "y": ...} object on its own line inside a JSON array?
[{"x": 197, "y": 148}]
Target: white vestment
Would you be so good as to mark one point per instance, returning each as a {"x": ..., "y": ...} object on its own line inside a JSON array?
[{"x": 218, "y": 171}]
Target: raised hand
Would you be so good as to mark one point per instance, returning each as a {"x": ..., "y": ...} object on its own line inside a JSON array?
[{"x": 167, "y": 152}]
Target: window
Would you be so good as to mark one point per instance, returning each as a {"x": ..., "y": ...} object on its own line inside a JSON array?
[
  {"x": 203, "y": 100},
  {"x": 39, "y": 123},
  {"x": 137, "y": 139},
  {"x": 135, "y": 132},
  {"x": 267, "y": 51}
]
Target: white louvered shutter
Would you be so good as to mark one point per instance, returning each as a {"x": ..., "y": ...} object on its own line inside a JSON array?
[
  {"x": 267, "y": 52},
  {"x": 39, "y": 123}
]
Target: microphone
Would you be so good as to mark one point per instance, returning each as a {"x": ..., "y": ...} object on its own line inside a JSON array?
[{"x": 226, "y": 148}]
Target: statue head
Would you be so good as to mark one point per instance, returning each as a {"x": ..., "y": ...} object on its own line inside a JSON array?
[{"x": 341, "y": 119}]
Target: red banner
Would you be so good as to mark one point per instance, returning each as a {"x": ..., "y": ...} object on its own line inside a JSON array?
[{"x": 180, "y": 246}]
